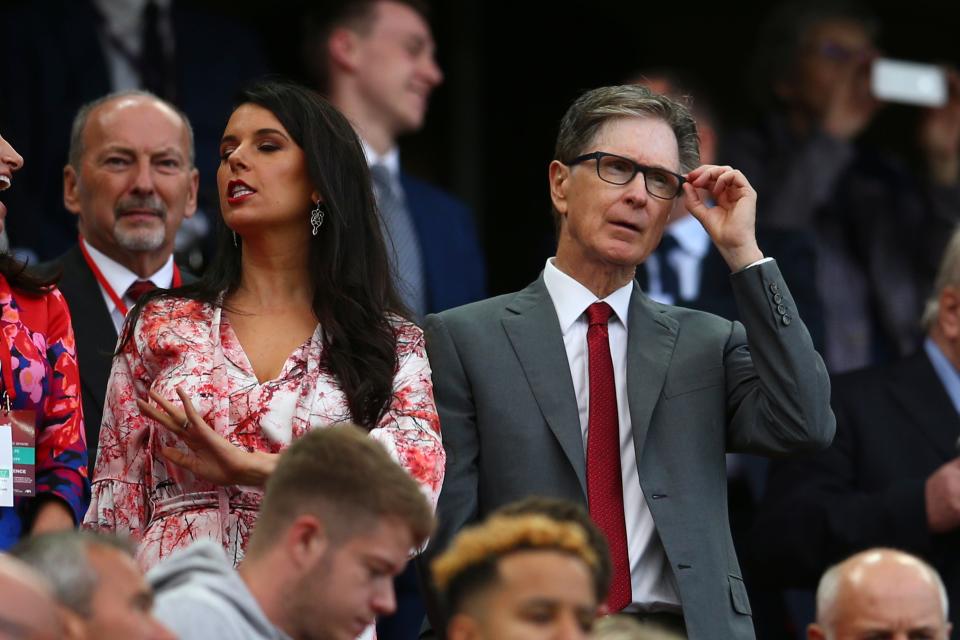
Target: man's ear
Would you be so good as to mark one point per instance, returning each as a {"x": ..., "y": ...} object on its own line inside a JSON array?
[
  {"x": 71, "y": 190},
  {"x": 948, "y": 317},
  {"x": 191, "y": 207},
  {"x": 73, "y": 626},
  {"x": 815, "y": 632},
  {"x": 343, "y": 49},
  {"x": 306, "y": 541},
  {"x": 462, "y": 627},
  {"x": 559, "y": 176}
]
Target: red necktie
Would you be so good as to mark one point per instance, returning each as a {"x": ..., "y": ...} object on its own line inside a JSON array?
[
  {"x": 604, "y": 483},
  {"x": 138, "y": 288}
]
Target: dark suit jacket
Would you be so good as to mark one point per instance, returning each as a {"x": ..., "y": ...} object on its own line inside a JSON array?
[
  {"x": 511, "y": 426},
  {"x": 95, "y": 335},
  {"x": 895, "y": 426},
  {"x": 795, "y": 252},
  {"x": 453, "y": 263}
]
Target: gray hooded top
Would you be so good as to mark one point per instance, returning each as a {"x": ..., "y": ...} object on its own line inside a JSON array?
[{"x": 199, "y": 596}]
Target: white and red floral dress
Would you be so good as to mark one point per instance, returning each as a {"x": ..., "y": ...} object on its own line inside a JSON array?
[{"x": 183, "y": 342}]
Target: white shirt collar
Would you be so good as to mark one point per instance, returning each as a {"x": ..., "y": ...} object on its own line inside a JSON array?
[
  {"x": 391, "y": 159},
  {"x": 690, "y": 235},
  {"x": 571, "y": 299},
  {"x": 120, "y": 278}
]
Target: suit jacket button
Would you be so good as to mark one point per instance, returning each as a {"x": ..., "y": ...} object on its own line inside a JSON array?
[
  {"x": 774, "y": 288},
  {"x": 786, "y": 320},
  {"x": 781, "y": 309},
  {"x": 777, "y": 298}
]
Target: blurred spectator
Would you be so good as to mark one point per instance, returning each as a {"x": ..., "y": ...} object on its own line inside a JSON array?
[
  {"x": 892, "y": 476},
  {"x": 27, "y": 609},
  {"x": 101, "y": 593},
  {"x": 881, "y": 593},
  {"x": 337, "y": 523},
  {"x": 70, "y": 52},
  {"x": 879, "y": 229},
  {"x": 567, "y": 511},
  {"x": 525, "y": 576},
  {"x": 686, "y": 269},
  {"x": 623, "y": 627},
  {"x": 39, "y": 396},
  {"x": 130, "y": 181},
  {"x": 374, "y": 59}
]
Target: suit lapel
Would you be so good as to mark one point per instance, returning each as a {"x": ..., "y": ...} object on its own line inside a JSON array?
[
  {"x": 919, "y": 391},
  {"x": 93, "y": 327},
  {"x": 651, "y": 336},
  {"x": 532, "y": 326}
]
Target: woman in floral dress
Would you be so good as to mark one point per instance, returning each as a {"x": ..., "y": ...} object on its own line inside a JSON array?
[
  {"x": 295, "y": 326},
  {"x": 38, "y": 375}
]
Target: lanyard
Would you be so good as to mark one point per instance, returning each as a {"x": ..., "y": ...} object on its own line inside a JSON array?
[
  {"x": 117, "y": 300},
  {"x": 6, "y": 367}
]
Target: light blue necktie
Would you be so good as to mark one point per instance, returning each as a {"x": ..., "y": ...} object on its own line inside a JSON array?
[{"x": 403, "y": 246}]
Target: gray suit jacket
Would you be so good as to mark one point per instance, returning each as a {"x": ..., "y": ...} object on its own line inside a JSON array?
[{"x": 699, "y": 386}]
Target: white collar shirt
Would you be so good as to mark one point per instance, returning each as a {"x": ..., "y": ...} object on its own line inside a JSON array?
[
  {"x": 120, "y": 278},
  {"x": 653, "y": 584}
]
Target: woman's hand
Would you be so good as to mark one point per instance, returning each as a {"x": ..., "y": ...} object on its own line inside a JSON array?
[{"x": 211, "y": 456}]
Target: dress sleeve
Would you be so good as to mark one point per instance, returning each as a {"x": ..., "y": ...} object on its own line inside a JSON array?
[
  {"x": 410, "y": 428},
  {"x": 61, "y": 445},
  {"x": 119, "y": 500}
]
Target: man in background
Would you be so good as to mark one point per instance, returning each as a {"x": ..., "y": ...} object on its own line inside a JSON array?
[
  {"x": 374, "y": 60},
  {"x": 131, "y": 181},
  {"x": 881, "y": 593},
  {"x": 100, "y": 591}
]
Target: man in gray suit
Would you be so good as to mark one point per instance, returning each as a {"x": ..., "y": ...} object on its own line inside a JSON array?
[{"x": 581, "y": 387}]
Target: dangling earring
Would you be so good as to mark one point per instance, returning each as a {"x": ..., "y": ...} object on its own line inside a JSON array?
[
  {"x": 316, "y": 217},
  {"x": 235, "y": 239}
]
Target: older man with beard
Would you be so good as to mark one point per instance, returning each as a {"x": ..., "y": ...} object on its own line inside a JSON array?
[{"x": 131, "y": 181}]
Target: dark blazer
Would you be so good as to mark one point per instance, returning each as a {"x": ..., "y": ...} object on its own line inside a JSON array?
[
  {"x": 795, "y": 252},
  {"x": 95, "y": 335},
  {"x": 453, "y": 262},
  {"x": 511, "y": 426},
  {"x": 895, "y": 426}
]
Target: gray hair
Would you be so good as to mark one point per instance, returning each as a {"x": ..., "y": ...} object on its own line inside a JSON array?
[
  {"x": 829, "y": 584},
  {"x": 75, "y": 153},
  {"x": 62, "y": 558},
  {"x": 947, "y": 275},
  {"x": 593, "y": 109}
]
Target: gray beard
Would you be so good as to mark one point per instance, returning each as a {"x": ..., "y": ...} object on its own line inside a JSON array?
[{"x": 142, "y": 239}]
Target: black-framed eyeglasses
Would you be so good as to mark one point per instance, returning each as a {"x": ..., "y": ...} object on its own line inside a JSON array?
[{"x": 615, "y": 169}]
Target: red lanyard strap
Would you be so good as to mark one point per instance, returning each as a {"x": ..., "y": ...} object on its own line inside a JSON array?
[
  {"x": 6, "y": 367},
  {"x": 117, "y": 299}
]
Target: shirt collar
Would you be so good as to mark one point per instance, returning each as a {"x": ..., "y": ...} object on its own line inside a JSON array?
[
  {"x": 948, "y": 374},
  {"x": 391, "y": 159},
  {"x": 571, "y": 299},
  {"x": 120, "y": 278},
  {"x": 690, "y": 235}
]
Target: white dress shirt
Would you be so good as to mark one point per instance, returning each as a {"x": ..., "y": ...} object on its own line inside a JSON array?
[
  {"x": 652, "y": 580},
  {"x": 124, "y": 21},
  {"x": 120, "y": 278},
  {"x": 693, "y": 243}
]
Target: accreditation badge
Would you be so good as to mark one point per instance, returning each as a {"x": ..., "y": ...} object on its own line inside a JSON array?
[{"x": 18, "y": 455}]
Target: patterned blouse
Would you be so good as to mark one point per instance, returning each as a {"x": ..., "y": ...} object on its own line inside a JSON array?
[
  {"x": 46, "y": 380},
  {"x": 183, "y": 342}
]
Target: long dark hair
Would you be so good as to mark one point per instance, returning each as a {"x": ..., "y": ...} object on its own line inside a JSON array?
[
  {"x": 26, "y": 280},
  {"x": 348, "y": 264}
]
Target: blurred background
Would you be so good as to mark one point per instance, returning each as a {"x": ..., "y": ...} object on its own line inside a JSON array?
[{"x": 511, "y": 69}]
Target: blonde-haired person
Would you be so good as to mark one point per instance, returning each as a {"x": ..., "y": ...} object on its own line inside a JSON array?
[
  {"x": 519, "y": 577},
  {"x": 622, "y": 627}
]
